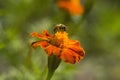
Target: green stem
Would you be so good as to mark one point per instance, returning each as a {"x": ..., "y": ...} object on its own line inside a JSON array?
[
  {"x": 53, "y": 63},
  {"x": 50, "y": 74}
]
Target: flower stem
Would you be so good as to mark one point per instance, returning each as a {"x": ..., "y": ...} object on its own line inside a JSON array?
[
  {"x": 50, "y": 74},
  {"x": 53, "y": 63}
]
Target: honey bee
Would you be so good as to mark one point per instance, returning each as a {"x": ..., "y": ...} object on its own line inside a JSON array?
[{"x": 60, "y": 27}]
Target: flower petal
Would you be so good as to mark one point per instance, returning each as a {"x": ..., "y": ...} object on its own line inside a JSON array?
[
  {"x": 57, "y": 51},
  {"x": 35, "y": 34},
  {"x": 70, "y": 56},
  {"x": 53, "y": 50},
  {"x": 75, "y": 46},
  {"x": 67, "y": 56},
  {"x": 44, "y": 35},
  {"x": 42, "y": 44}
]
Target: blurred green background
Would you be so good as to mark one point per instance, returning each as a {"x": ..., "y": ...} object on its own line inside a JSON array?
[{"x": 98, "y": 30}]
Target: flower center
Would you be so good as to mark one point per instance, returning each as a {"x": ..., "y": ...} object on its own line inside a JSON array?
[{"x": 59, "y": 39}]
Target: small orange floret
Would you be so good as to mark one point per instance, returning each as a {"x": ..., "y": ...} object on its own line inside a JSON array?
[
  {"x": 60, "y": 45},
  {"x": 74, "y": 7}
]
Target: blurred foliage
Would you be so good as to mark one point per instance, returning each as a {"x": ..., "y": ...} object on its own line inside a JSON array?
[{"x": 97, "y": 29}]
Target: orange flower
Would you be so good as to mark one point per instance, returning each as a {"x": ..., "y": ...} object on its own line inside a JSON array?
[
  {"x": 59, "y": 44},
  {"x": 74, "y": 7}
]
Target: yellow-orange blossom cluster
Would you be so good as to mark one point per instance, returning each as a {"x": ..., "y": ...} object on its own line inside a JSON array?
[{"x": 59, "y": 44}]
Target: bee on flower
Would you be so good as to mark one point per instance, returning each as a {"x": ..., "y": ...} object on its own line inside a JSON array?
[{"x": 59, "y": 44}]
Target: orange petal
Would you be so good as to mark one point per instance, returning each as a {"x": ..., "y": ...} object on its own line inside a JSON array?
[
  {"x": 80, "y": 51},
  {"x": 75, "y": 46},
  {"x": 44, "y": 35},
  {"x": 74, "y": 42},
  {"x": 67, "y": 56},
  {"x": 71, "y": 56},
  {"x": 42, "y": 44},
  {"x": 35, "y": 34},
  {"x": 52, "y": 50},
  {"x": 75, "y": 55},
  {"x": 57, "y": 51}
]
